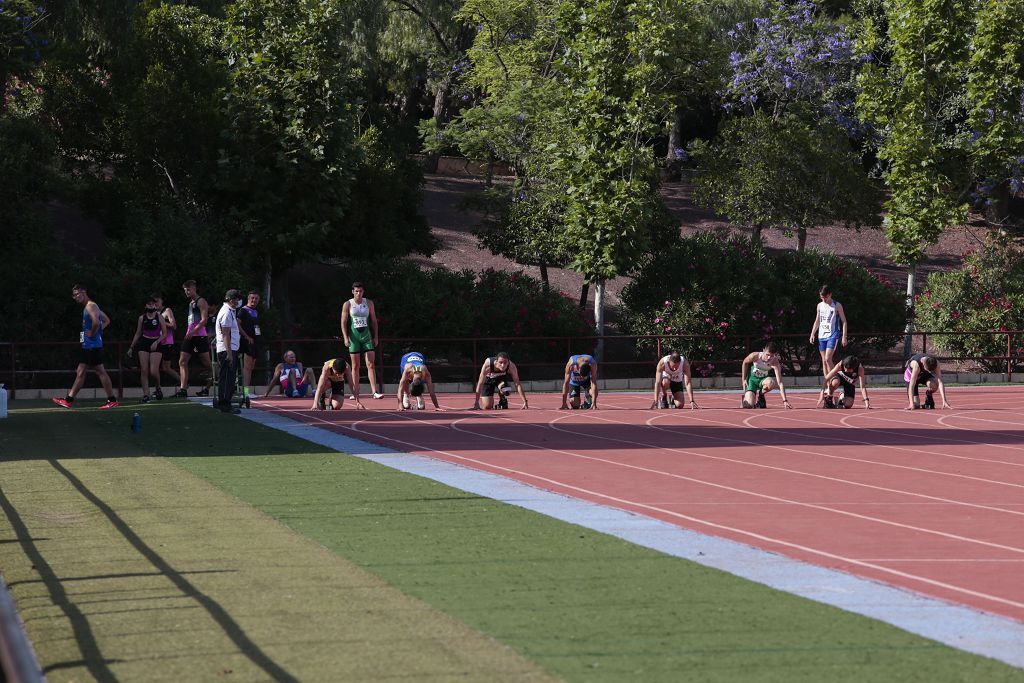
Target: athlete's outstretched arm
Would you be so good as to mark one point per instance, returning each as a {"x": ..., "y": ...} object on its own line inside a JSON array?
[
  {"x": 593, "y": 385},
  {"x": 863, "y": 386},
  {"x": 657, "y": 382},
  {"x": 842, "y": 316},
  {"x": 373, "y": 323},
  {"x": 278, "y": 369},
  {"x": 344, "y": 322},
  {"x": 688, "y": 378},
  {"x": 565, "y": 386},
  {"x": 915, "y": 372},
  {"x": 135, "y": 339},
  {"x": 514, "y": 372},
  {"x": 777, "y": 367},
  {"x": 942, "y": 387},
  {"x": 403, "y": 386},
  {"x": 479, "y": 386},
  {"x": 321, "y": 387},
  {"x": 355, "y": 388},
  {"x": 430, "y": 388}
]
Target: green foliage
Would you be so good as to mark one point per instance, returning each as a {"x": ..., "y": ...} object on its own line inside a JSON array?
[
  {"x": 985, "y": 294},
  {"x": 736, "y": 295},
  {"x": 786, "y": 173},
  {"x": 912, "y": 94}
]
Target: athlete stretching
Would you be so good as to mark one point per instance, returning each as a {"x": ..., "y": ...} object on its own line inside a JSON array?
[
  {"x": 359, "y": 326},
  {"x": 94, "y": 321},
  {"x": 761, "y": 364},
  {"x": 415, "y": 379}
]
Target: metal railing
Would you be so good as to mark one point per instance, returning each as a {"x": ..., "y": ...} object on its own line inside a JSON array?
[{"x": 50, "y": 364}]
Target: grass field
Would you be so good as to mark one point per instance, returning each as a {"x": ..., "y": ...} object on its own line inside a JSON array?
[{"x": 208, "y": 547}]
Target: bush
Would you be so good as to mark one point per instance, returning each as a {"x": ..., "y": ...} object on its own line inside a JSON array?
[
  {"x": 732, "y": 294},
  {"x": 987, "y": 293}
]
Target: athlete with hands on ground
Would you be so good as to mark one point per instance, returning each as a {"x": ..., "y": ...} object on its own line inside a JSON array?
[
  {"x": 923, "y": 369},
  {"x": 842, "y": 376},
  {"x": 495, "y": 375},
  {"x": 760, "y": 365},
  {"x": 415, "y": 378},
  {"x": 332, "y": 380},
  {"x": 580, "y": 376},
  {"x": 671, "y": 378}
]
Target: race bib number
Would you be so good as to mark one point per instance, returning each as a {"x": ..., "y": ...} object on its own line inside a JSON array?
[
  {"x": 760, "y": 372},
  {"x": 359, "y": 321},
  {"x": 825, "y": 327},
  {"x": 191, "y": 319},
  {"x": 81, "y": 337},
  {"x": 256, "y": 329}
]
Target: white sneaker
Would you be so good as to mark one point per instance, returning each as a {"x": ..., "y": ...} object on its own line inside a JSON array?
[
  {"x": 351, "y": 397},
  {"x": 420, "y": 405},
  {"x": 405, "y": 402},
  {"x": 377, "y": 395}
]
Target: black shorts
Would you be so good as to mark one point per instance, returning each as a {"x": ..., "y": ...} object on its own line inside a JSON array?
[
  {"x": 849, "y": 391},
  {"x": 91, "y": 357},
  {"x": 167, "y": 350},
  {"x": 196, "y": 345},
  {"x": 576, "y": 389},
  {"x": 676, "y": 387},
  {"x": 337, "y": 388},
  {"x": 245, "y": 348},
  {"x": 144, "y": 346},
  {"x": 491, "y": 384}
]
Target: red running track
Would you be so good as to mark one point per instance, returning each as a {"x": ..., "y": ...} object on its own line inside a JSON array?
[{"x": 932, "y": 501}]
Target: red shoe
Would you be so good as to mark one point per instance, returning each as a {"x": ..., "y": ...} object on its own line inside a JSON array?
[
  {"x": 108, "y": 405},
  {"x": 62, "y": 403}
]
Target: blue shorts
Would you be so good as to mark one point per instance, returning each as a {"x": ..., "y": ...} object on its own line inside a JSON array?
[
  {"x": 829, "y": 342},
  {"x": 299, "y": 391}
]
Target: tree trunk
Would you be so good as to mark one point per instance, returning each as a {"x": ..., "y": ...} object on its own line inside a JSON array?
[
  {"x": 908, "y": 339},
  {"x": 801, "y": 239},
  {"x": 584, "y": 293},
  {"x": 440, "y": 119},
  {"x": 675, "y": 132},
  {"x": 998, "y": 211},
  {"x": 599, "y": 320},
  {"x": 268, "y": 276},
  {"x": 755, "y": 235},
  {"x": 544, "y": 276}
]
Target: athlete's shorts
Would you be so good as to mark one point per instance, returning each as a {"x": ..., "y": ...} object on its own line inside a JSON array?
[
  {"x": 167, "y": 350},
  {"x": 829, "y": 342},
  {"x": 849, "y": 391},
  {"x": 576, "y": 389},
  {"x": 361, "y": 341},
  {"x": 91, "y": 357},
  {"x": 144, "y": 346},
  {"x": 298, "y": 391},
  {"x": 196, "y": 345},
  {"x": 754, "y": 382},
  {"x": 922, "y": 378},
  {"x": 491, "y": 384},
  {"x": 337, "y": 388},
  {"x": 676, "y": 387},
  {"x": 244, "y": 347}
]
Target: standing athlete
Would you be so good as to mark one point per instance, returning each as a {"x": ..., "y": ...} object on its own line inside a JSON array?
[
  {"x": 196, "y": 340},
  {"x": 924, "y": 370},
  {"x": 359, "y": 326},
  {"x": 759, "y": 383},
  {"x": 580, "y": 376},
  {"x": 842, "y": 376},
  {"x": 332, "y": 381},
  {"x": 227, "y": 350},
  {"x": 829, "y": 326},
  {"x": 415, "y": 378},
  {"x": 149, "y": 332},
  {"x": 495, "y": 375},
  {"x": 671, "y": 378},
  {"x": 249, "y": 328},
  {"x": 94, "y": 321},
  {"x": 167, "y": 343}
]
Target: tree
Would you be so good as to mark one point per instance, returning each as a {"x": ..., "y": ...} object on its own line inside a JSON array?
[
  {"x": 912, "y": 95},
  {"x": 784, "y": 173}
]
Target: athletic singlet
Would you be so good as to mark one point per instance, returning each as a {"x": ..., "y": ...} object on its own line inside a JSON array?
[
  {"x": 843, "y": 377},
  {"x": 151, "y": 327},
  {"x": 676, "y": 375},
  {"x": 194, "y": 316},
  {"x": 333, "y": 376},
  {"x": 924, "y": 375},
  {"x": 169, "y": 338},
  {"x": 412, "y": 357},
  {"x": 761, "y": 368},
  {"x": 495, "y": 375},
  {"x": 574, "y": 374},
  {"x": 95, "y": 341},
  {"x": 286, "y": 368},
  {"x": 828, "y": 322},
  {"x": 248, "y": 321},
  {"x": 359, "y": 314}
]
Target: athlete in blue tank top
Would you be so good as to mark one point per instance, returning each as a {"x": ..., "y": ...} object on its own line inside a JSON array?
[
  {"x": 91, "y": 354},
  {"x": 580, "y": 377},
  {"x": 415, "y": 379}
]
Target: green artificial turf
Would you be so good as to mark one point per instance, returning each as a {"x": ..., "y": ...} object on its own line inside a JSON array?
[{"x": 584, "y": 606}]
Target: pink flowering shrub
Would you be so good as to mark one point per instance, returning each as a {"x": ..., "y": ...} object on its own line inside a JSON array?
[
  {"x": 732, "y": 295},
  {"x": 986, "y": 294}
]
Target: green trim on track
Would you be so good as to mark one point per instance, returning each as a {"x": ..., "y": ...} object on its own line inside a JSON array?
[{"x": 582, "y": 605}]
